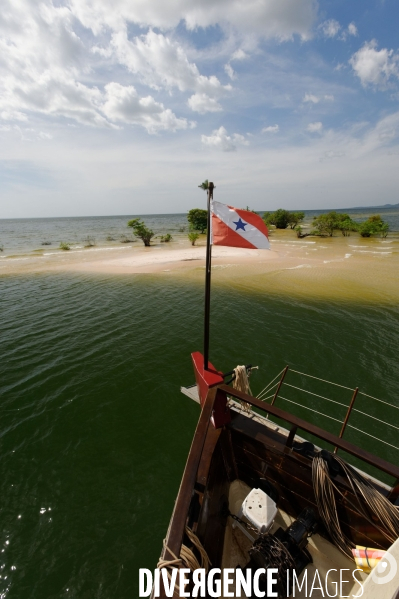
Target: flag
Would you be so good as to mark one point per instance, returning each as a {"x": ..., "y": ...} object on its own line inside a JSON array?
[{"x": 237, "y": 228}]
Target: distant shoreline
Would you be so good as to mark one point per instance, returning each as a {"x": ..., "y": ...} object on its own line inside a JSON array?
[
  {"x": 344, "y": 268},
  {"x": 167, "y": 214}
]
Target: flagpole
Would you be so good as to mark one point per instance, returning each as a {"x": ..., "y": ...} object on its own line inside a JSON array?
[{"x": 208, "y": 278}]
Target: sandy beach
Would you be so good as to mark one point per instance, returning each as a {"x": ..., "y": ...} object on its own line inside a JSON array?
[{"x": 348, "y": 267}]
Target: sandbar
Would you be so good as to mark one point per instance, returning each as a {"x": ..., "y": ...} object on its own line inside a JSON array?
[{"x": 348, "y": 267}]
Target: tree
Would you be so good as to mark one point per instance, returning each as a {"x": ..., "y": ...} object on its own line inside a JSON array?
[
  {"x": 279, "y": 218},
  {"x": 346, "y": 225},
  {"x": 204, "y": 185},
  {"x": 374, "y": 225},
  {"x": 198, "y": 219},
  {"x": 141, "y": 231},
  {"x": 326, "y": 224},
  {"x": 295, "y": 218}
]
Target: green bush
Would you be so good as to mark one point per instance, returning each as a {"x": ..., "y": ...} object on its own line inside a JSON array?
[
  {"x": 166, "y": 238},
  {"x": 141, "y": 231},
  {"x": 64, "y": 246},
  {"x": 198, "y": 219},
  {"x": 374, "y": 225},
  {"x": 193, "y": 236},
  {"x": 326, "y": 224},
  {"x": 281, "y": 218}
]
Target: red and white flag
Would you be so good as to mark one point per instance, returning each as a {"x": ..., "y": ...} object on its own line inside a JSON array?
[{"x": 237, "y": 228}]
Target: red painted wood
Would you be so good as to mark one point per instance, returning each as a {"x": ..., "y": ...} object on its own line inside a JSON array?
[{"x": 206, "y": 379}]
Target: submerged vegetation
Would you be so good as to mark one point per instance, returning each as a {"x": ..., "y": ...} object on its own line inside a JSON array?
[
  {"x": 166, "y": 238},
  {"x": 193, "y": 236},
  {"x": 89, "y": 242},
  {"x": 282, "y": 218},
  {"x": 326, "y": 224},
  {"x": 125, "y": 239},
  {"x": 374, "y": 225},
  {"x": 141, "y": 231}
]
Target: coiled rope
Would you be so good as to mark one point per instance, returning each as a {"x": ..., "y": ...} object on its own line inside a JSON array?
[
  {"x": 370, "y": 503},
  {"x": 187, "y": 558},
  {"x": 241, "y": 383}
]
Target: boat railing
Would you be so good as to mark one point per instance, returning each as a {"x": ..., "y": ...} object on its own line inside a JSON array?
[
  {"x": 273, "y": 391},
  {"x": 178, "y": 521},
  {"x": 298, "y": 423}
]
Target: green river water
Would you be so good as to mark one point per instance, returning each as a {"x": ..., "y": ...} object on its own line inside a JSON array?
[{"x": 94, "y": 433}]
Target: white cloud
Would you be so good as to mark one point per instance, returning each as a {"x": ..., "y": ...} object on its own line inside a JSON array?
[
  {"x": 375, "y": 67},
  {"x": 330, "y": 28},
  {"x": 311, "y": 98},
  {"x": 53, "y": 93},
  {"x": 161, "y": 62},
  {"x": 222, "y": 141},
  {"x": 45, "y": 136},
  {"x": 124, "y": 104},
  {"x": 230, "y": 71},
  {"x": 45, "y": 70},
  {"x": 316, "y": 99},
  {"x": 239, "y": 55},
  {"x": 352, "y": 29},
  {"x": 268, "y": 18},
  {"x": 315, "y": 127},
  {"x": 202, "y": 103},
  {"x": 13, "y": 115},
  {"x": 271, "y": 129}
]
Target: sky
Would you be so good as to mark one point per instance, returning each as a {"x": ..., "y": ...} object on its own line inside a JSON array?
[{"x": 126, "y": 106}]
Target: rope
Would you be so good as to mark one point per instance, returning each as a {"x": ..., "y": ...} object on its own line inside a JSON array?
[
  {"x": 374, "y": 418},
  {"x": 266, "y": 398},
  {"x": 327, "y": 507},
  {"x": 311, "y": 409},
  {"x": 316, "y": 395},
  {"x": 241, "y": 383},
  {"x": 370, "y": 503},
  {"x": 268, "y": 385},
  {"x": 187, "y": 559},
  {"x": 377, "y": 505},
  {"x": 323, "y": 380},
  {"x": 372, "y": 436},
  {"x": 260, "y": 396},
  {"x": 380, "y": 400}
]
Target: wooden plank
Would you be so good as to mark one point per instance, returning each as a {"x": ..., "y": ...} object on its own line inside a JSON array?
[
  {"x": 367, "y": 457},
  {"x": 212, "y": 438},
  {"x": 178, "y": 522}
]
